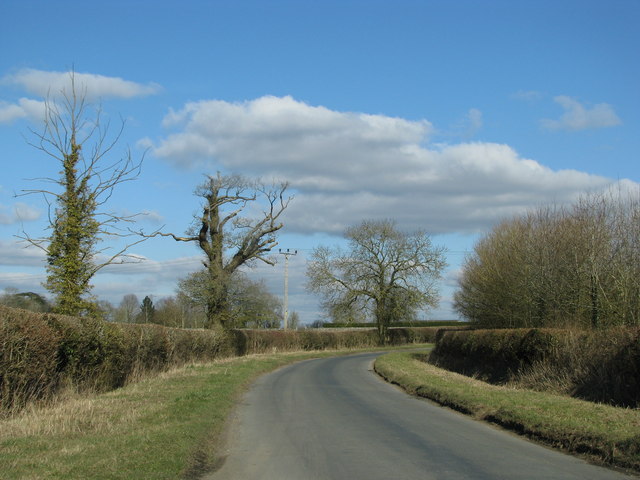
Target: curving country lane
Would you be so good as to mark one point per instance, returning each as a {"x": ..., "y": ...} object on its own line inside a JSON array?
[{"x": 334, "y": 419}]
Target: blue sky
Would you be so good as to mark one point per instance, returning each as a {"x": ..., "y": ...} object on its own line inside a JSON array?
[{"x": 447, "y": 116}]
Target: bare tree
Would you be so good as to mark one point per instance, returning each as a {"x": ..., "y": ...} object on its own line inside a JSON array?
[
  {"x": 556, "y": 266},
  {"x": 128, "y": 309},
  {"x": 387, "y": 271},
  {"x": 170, "y": 312},
  {"x": 75, "y": 137},
  {"x": 229, "y": 240},
  {"x": 294, "y": 321}
]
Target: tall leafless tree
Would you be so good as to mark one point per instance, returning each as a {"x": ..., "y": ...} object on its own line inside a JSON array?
[
  {"x": 75, "y": 137},
  {"x": 227, "y": 238}
]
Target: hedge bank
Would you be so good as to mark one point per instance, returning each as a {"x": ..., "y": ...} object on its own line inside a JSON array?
[
  {"x": 42, "y": 354},
  {"x": 600, "y": 365}
]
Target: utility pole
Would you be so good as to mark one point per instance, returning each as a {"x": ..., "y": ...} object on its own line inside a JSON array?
[{"x": 286, "y": 254}]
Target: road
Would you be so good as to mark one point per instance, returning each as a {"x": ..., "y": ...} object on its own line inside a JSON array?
[{"x": 333, "y": 418}]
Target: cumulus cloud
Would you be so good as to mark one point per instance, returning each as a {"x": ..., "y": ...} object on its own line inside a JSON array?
[
  {"x": 25, "y": 108},
  {"x": 50, "y": 84},
  {"x": 347, "y": 166},
  {"x": 315, "y": 136},
  {"x": 44, "y": 83},
  {"x": 578, "y": 117},
  {"x": 19, "y": 212},
  {"x": 20, "y": 254}
]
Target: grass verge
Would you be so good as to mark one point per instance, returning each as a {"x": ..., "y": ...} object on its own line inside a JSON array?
[
  {"x": 605, "y": 434},
  {"x": 164, "y": 427}
]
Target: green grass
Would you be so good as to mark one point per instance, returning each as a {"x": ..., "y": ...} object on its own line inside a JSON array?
[
  {"x": 164, "y": 427},
  {"x": 603, "y": 433},
  {"x": 170, "y": 426}
]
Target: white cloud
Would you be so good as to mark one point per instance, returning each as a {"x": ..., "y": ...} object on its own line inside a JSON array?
[
  {"x": 474, "y": 118},
  {"x": 22, "y": 282},
  {"x": 578, "y": 117},
  {"x": 20, "y": 254},
  {"x": 43, "y": 84},
  {"x": 25, "y": 108},
  {"x": 10, "y": 112},
  {"x": 217, "y": 129},
  {"x": 348, "y": 166},
  {"x": 19, "y": 212},
  {"x": 151, "y": 216},
  {"x": 528, "y": 95},
  {"x": 465, "y": 128}
]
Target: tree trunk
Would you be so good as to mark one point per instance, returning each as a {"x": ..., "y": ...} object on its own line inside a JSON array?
[{"x": 382, "y": 321}]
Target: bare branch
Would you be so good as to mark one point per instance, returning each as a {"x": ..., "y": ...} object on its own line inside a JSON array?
[
  {"x": 387, "y": 271},
  {"x": 221, "y": 226},
  {"x": 74, "y": 136}
]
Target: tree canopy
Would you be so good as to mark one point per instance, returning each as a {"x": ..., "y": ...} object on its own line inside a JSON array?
[
  {"x": 250, "y": 303},
  {"x": 387, "y": 273},
  {"x": 227, "y": 238}
]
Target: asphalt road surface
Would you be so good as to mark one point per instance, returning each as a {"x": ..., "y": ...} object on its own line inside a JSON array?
[{"x": 335, "y": 419}]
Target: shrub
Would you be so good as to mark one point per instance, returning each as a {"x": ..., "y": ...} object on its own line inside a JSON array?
[
  {"x": 564, "y": 267},
  {"x": 596, "y": 365},
  {"x": 42, "y": 353},
  {"x": 28, "y": 363}
]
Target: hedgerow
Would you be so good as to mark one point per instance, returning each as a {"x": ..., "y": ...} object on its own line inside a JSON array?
[
  {"x": 43, "y": 354},
  {"x": 599, "y": 365}
]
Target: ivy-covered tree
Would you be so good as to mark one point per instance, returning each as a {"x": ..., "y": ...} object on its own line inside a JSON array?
[
  {"x": 73, "y": 238},
  {"x": 75, "y": 137}
]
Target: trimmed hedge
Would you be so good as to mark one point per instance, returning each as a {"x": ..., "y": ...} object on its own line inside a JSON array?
[
  {"x": 414, "y": 324},
  {"x": 597, "y": 365},
  {"x": 268, "y": 341},
  {"x": 41, "y": 354}
]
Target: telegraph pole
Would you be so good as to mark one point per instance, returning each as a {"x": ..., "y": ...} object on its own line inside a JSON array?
[{"x": 286, "y": 254}]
